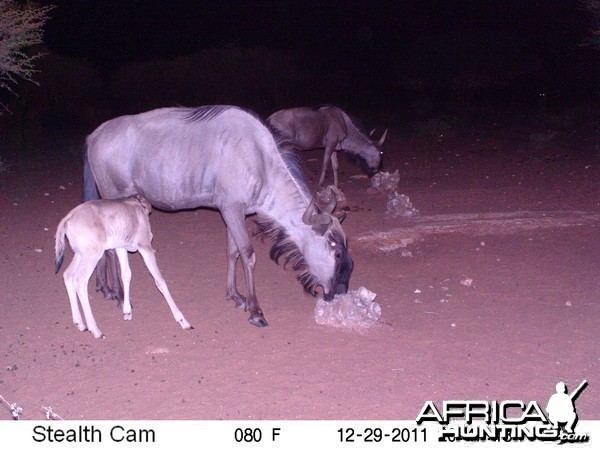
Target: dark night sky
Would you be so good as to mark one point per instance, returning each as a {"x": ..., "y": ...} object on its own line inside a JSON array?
[{"x": 371, "y": 41}]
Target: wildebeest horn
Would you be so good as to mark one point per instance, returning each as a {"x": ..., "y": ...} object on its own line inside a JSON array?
[
  {"x": 318, "y": 221},
  {"x": 336, "y": 224},
  {"x": 382, "y": 138},
  {"x": 371, "y": 132},
  {"x": 326, "y": 200},
  {"x": 322, "y": 218}
]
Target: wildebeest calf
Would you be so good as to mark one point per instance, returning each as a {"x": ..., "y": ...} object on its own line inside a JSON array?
[{"x": 100, "y": 225}]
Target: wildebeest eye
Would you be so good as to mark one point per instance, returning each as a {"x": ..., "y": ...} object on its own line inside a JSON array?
[{"x": 338, "y": 254}]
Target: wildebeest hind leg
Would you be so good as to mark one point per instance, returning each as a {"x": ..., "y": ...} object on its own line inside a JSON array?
[{"x": 108, "y": 277}]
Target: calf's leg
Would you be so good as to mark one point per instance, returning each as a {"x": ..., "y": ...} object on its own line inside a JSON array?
[
  {"x": 84, "y": 271},
  {"x": 70, "y": 284},
  {"x": 150, "y": 261},
  {"x": 126, "y": 279}
]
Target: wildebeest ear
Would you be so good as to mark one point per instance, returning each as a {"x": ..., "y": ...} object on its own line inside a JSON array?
[
  {"x": 145, "y": 203},
  {"x": 340, "y": 215},
  {"x": 320, "y": 229}
]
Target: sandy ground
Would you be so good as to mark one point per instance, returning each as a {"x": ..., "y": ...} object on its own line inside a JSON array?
[{"x": 521, "y": 220}]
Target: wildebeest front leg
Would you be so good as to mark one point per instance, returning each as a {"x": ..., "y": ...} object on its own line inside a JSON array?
[
  {"x": 236, "y": 227},
  {"x": 108, "y": 277},
  {"x": 329, "y": 151},
  {"x": 126, "y": 278},
  {"x": 334, "y": 167},
  {"x": 232, "y": 258}
]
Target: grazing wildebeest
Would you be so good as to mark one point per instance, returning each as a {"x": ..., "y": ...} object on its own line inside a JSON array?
[
  {"x": 330, "y": 128},
  {"x": 100, "y": 225},
  {"x": 226, "y": 158}
]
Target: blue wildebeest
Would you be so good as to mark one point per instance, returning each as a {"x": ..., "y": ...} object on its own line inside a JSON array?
[
  {"x": 330, "y": 128},
  {"x": 226, "y": 158}
]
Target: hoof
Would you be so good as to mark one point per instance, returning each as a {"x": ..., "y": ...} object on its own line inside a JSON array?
[
  {"x": 240, "y": 301},
  {"x": 107, "y": 293},
  {"x": 258, "y": 321},
  {"x": 112, "y": 295},
  {"x": 127, "y": 316},
  {"x": 185, "y": 324}
]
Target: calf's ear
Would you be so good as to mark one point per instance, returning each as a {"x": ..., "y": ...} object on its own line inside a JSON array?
[{"x": 145, "y": 203}]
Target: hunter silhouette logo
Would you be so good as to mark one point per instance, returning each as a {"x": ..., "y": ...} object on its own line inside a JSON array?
[
  {"x": 508, "y": 420},
  {"x": 561, "y": 406}
]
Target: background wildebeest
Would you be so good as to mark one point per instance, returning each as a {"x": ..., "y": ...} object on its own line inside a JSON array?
[{"x": 330, "y": 128}]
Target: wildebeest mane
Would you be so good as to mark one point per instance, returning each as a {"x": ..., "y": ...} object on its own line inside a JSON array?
[
  {"x": 284, "y": 248},
  {"x": 204, "y": 113},
  {"x": 284, "y": 144},
  {"x": 358, "y": 124},
  {"x": 354, "y": 121},
  {"x": 294, "y": 165},
  {"x": 324, "y": 105}
]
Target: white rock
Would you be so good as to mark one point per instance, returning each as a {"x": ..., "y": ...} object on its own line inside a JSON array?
[
  {"x": 466, "y": 281},
  {"x": 353, "y": 310}
]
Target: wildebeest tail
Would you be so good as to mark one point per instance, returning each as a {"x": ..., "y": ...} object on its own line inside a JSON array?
[
  {"x": 59, "y": 243},
  {"x": 90, "y": 190}
]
